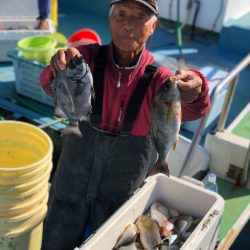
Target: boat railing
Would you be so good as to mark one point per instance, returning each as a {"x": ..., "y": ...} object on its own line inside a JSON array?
[{"x": 231, "y": 81}]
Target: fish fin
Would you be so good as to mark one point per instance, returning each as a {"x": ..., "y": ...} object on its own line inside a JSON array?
[
  {"x": 160, "y": 167},
  {"x": 175, "y": 144},
  {"x": 170, "y": 112},
  {"x": 172, "y": 78},
  {"x": 93, "y": 93}
]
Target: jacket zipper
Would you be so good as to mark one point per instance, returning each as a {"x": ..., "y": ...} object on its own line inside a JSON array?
[
  {"x": 120, "y": 115},
  {"x": 118, "y": 84}
]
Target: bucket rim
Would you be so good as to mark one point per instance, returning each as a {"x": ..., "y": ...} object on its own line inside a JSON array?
[
  {"x": 32, "y": 165},
  {"x": 13, "y": 188},
  {"x": 34, "y": 223},
  {"x": 27, "y": 193},
  {"x": 24, "y": 175},
  {"x": 27, "y": 214},
  {"x": 17, "y": 207}
]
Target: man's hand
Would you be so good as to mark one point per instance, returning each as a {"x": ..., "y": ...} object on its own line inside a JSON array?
[
  {"x": 190, "y": 85},
  {"x": 62, "y": 57}
]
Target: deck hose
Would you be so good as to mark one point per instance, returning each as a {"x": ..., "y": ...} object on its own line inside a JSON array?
[{"x": 27, "y": 104}]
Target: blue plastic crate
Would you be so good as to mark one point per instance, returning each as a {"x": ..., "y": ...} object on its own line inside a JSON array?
[{"x": 27, "y": 75}]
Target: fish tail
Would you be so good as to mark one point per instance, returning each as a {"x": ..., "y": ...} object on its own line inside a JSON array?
[{"x": 160, "y": 167}]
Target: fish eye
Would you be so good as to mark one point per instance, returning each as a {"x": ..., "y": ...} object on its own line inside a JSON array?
[{"x": 166, "y": 86}]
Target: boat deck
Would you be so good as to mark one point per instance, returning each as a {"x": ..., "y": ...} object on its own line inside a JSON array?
[
  {"x": 237, "y": 201},
  {"x": 242, "y": 127}
]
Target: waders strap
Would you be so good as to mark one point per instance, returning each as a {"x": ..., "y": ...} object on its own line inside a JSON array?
[{"x": 135, "y": 100}]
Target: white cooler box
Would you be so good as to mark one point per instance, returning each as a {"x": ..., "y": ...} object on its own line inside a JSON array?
[{"x": 173, "y": 192}]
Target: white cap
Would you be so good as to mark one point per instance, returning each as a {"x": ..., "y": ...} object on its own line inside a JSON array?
[{"x": 212, "y": 178}]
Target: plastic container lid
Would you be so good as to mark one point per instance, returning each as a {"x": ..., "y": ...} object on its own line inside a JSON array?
[
  {"x": 212, "y": 178},
  {"x": 84, "y": 36}
]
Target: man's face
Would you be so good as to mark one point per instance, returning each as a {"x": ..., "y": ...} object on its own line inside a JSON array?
[{"x": 130, "y": 25}]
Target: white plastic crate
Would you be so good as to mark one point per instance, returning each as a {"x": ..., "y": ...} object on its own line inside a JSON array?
[
  {"x": 12, "y": 29},
  {"x": 173, "y": 192},
  {"x": 18, "y": 20},
  {"x": 27, "y": 75}
]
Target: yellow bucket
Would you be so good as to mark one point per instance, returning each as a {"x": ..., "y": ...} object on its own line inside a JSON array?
[
  {"x": 25, "y": 166},
  {"x": 31, "y": 240},
  {"x": 15, "y": 209},
  {"x": 25, "y": 186},
  {"x": 22, "y": 177},
  {"x": 23, "y": 147},
  {"x": 18, "y": 224},
  {"x": 12, "y": 199}
]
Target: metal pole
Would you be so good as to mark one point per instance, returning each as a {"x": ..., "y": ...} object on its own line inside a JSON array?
[
  {"x": 197, "y": 136},
  {"x": 195, "y": 141},
  {"x": 226, "y": 105}
]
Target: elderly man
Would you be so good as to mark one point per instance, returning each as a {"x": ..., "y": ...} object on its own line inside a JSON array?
[{"x": 105, "y": 160}]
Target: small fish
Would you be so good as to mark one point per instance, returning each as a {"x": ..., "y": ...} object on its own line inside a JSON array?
[
  {"x": 177, "y": 245},
  {"x": 160, "y": 213},
  {"x": 72, "y": 90},
  {"x": 165, "y": 119},
  {"x": 127, "y": 237},
  {"x": 149, "y": 232},
  {"x": 182, "y": 224},
  {"x": 162, "y": 246},
  {"x": 158, "y": 209},
  {"x": 173, "y": 212},
  {"x": 129, "y": 247}
]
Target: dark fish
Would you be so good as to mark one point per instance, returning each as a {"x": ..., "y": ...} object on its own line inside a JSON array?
[
  {"x": 127, "y": 237},
  {"x": 165, "y": 120},
  {"x": 182, "y": 224},
  {"x": 160, "y": 213},
  {"x": 72, "y": 90},
  {"x": 129, "y": 247},
  {"x": 149, "y": 232}
]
